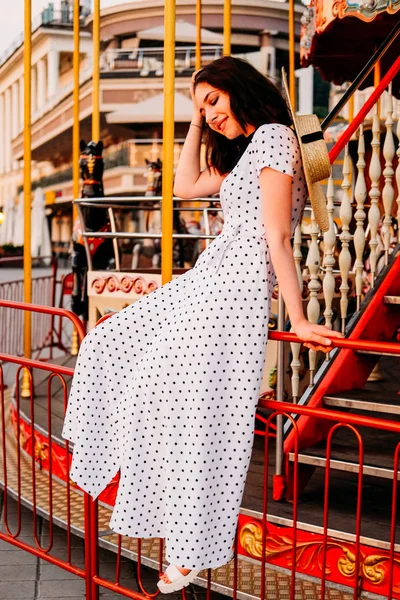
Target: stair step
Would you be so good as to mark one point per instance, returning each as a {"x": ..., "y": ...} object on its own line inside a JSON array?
[
  {"x": 390, "y": 409},
  {"x": 378, "y": 352},
  {"x": 391, "y": 299},
  {"x": 340, "y": 465}
]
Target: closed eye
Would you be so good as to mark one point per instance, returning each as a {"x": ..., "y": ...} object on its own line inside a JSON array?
[{"x": 214, "y": 101}]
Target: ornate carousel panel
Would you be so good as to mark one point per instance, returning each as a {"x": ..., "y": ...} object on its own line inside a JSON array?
[{"x": 339, "y": 37}]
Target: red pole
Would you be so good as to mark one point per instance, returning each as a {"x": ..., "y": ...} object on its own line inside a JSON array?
[{"x": 353, "y": 126}]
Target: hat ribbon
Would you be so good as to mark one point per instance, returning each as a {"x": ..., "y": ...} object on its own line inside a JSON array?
[{"x": 308, "y": 138}]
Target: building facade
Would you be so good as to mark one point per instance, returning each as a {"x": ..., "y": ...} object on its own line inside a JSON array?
[{"x": 131, "y": 88}]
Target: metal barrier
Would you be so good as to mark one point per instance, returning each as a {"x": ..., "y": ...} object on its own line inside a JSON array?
[
  {"x": 45, "y": 334},
  {"x": 33, "y": 466},
  {"x": 21, "y": 480}
]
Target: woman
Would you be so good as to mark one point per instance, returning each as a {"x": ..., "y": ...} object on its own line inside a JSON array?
[{"x": 166, "y": 390}]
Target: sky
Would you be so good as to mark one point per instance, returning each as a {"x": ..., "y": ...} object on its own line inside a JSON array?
[{"x": 12, "y": 17}]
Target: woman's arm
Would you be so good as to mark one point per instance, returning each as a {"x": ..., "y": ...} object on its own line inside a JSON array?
[
  {"x": 190, "y": 181},
  {"x": 276, "y": 193}
]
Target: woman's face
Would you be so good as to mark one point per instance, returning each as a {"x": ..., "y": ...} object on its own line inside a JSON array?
[{"x": 215, "y": 106}]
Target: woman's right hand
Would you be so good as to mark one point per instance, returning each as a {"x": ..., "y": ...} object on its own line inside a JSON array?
[{"x": 196, "y": 111}]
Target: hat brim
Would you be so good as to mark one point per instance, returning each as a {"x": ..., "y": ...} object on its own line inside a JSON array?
[
  {"x": 318, "y": 204},
  {"x": 315, "y": 159}
]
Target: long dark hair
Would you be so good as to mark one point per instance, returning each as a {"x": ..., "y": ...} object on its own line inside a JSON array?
[{"x": 254, "y": 100}]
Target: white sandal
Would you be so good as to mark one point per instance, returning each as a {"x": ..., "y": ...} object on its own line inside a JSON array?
[{"x": 177, "y": 579}]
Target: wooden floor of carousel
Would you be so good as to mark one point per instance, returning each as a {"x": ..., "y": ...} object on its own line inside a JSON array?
[{"x": 310, "y": 508}]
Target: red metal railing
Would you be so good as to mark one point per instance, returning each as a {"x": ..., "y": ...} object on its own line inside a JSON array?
[
  {"x": 44, "y": 333},
  {"x": 46, "y": 310},
  {"x": 270, "y": 553},
  {"x": 59, "y": 372},
  {"x": 358, "y": 119}
]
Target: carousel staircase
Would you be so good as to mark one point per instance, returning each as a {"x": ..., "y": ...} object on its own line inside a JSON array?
[{"x": 340, "y": 386}]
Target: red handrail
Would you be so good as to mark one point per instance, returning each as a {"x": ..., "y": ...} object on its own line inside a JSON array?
[
  {"x": 323, "y": 413},
  {"x": 370, "y": 345},
  {"x": 36, "y": 364},
  {"x": 49, "y": 310},
  {"x": 353, "y": 126},
  {"x": 283, "y": 336}
]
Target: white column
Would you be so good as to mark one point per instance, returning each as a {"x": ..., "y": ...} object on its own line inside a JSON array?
[
  {"x": 2, "y": 157},
  {"x": 34, "y": 89},
  {"x": 14, "y": 110},
  {"x": 21, "y": 105},
  {"x": 7, "y": 130},
  {"x": 41, "y": 83},
  {"x": 267, "y": 51},
  {"x": 306, "y": 86},
  {"x": 53, "y": 61}
]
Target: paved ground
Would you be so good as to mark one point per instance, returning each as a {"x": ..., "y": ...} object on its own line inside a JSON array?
[{"x": 26, "y": 577}]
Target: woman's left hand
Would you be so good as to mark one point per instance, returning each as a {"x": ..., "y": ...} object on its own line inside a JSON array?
[{"x": 315, "y": 337}]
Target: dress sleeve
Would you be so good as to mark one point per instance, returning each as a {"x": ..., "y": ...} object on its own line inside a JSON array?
[{"x": 276, "y": 147}]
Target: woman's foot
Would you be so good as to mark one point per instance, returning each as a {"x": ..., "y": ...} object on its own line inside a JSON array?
[{"x": 165, "y": 578}]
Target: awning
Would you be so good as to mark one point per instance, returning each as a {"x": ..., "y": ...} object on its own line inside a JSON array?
[
  {"x": 184, "y": 32},
  {"x": 151, "y": 110}
]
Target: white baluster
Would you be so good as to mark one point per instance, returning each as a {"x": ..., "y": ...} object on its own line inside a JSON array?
[
  {"x": 133, "y": 151},
  {"x": 155, "y": 151},
  {"x": 314, "y": 285},
  {"x": 329, "y": 257},
  {"x": 398, "y": 178},
  {"x": 360, "y": 216},
  {"x": 177, "y": 152},
  {"x": 388, "y": 173},
  {"x": 345, "y": 237},
  {"x": 295, "y": 364},
  {"x": 374, "y": 173}
]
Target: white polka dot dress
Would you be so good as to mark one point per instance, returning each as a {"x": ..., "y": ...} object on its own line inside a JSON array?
[{"x": 166, "y": 390}]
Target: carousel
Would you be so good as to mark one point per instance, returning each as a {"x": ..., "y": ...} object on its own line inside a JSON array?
[{"x": 117, "y": 259}]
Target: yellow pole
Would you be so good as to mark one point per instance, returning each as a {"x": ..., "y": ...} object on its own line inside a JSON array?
[
  {"x": 227, "y": 27},
  {"x": 292, "y": 78},
  {"x": 75, "y": 128},
  {"x": 198, "y": 34},
  {"x": 168, "y": 140},
  {"x": 351, "y": 109},
  {"x": 377, "y": 78},
  {"x": 75, "y": 141},
  {"x": 377, "y": 73},
  {"x": 96, "y": 73},
  {"x": 25, "y": 390},
  {"x": 196, "y": 214}
]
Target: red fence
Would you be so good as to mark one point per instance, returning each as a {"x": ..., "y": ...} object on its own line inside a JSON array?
[
  {"x": 28, "y": 461},
  {"x": 46, "y": 333}
]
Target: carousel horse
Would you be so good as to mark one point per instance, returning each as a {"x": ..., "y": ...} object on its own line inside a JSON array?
[
  {"x": 150, "y": 248},
  {"x": 91, "y": 167}
]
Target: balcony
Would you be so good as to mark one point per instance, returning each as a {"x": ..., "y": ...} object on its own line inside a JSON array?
[
  {"x": 47, "y": 18},
  {"x": 144, "y": 62},
  {"x": 131, "y": 154}
]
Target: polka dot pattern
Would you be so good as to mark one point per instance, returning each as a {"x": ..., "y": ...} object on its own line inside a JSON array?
[{"x": 166, "y": 390}]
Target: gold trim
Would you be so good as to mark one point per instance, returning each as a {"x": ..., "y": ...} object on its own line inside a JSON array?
[{"x": 371, "y": 567}]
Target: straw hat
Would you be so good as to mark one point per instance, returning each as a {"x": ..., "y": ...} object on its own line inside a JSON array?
[{"x": 315, "y": 158}]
